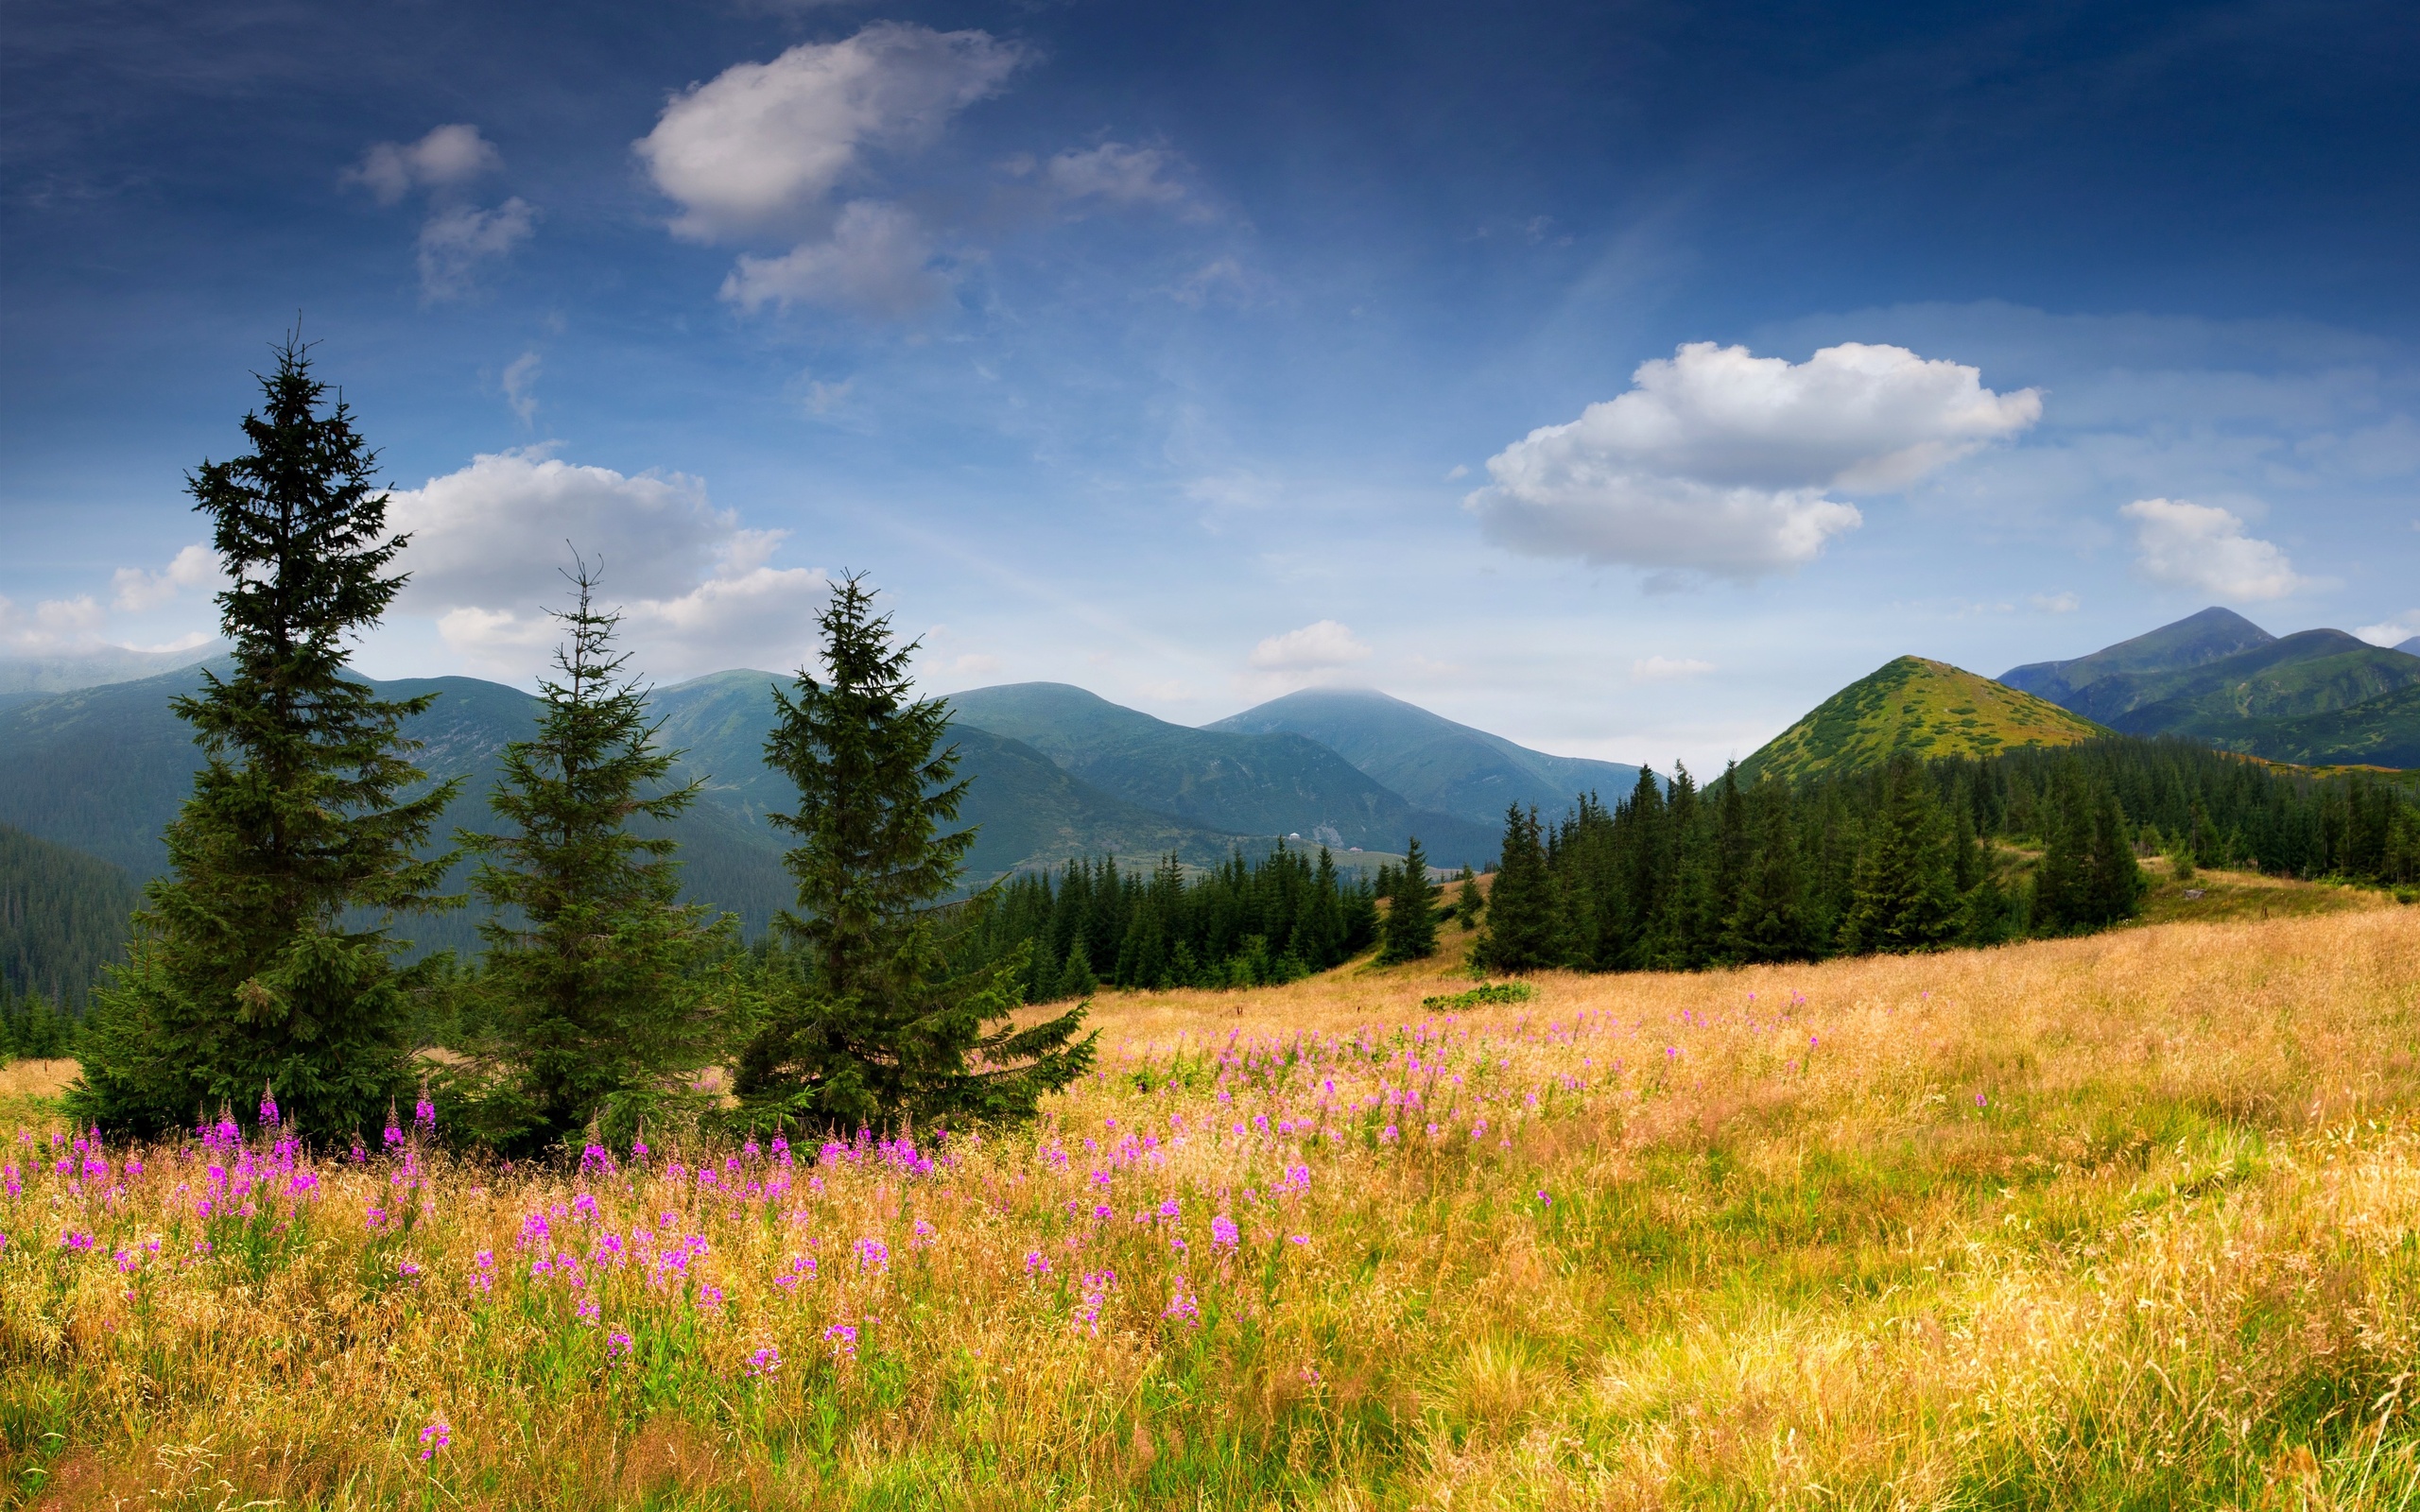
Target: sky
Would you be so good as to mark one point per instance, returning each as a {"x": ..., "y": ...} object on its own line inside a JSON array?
[{"x": 1623, "y": 378}]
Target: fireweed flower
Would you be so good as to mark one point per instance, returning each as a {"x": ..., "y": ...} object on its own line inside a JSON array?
[
  {"x": 843, "y": 1340},
  {"x": 435, "y": 1436},
  {"x": 872, "y": 1255},
  {"x": 709, "y": 1295},
  {"x": 1184, "y": 1304},
  {"x": 764, "y": 1360},
  {"x": 1223, "y": 1234},
  {"x": 617, "y": 1344},
  {"x": 1036, "y": 1262}
]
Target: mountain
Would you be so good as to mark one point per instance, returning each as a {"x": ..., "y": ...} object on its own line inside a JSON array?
[
  {"x": 2193, "y": 642},
  {"x": 2381, "y": 732},
  {"x": 1930, "y": 708},
  {"x": 102, "y": 770},
  {"x": 66, "y": 671},
  {"x": 2310, "y": 672},
  {"x": 1240, "y": 783},
  {"x": 1429, "y": 760},
  {"x": 1029, "y": 811},
  {"x": 2411, "y": 646},
  {"x": 62, "y": 918}
]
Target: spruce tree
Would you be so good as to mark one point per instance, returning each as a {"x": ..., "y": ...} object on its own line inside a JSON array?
[
  {"x": 1905, "y": 894},
  {"x": 596, "y": 1004},
  {"x": 1769, "y": 922},
  {"x": 871, "y": 1031},
  {"x": 1521, "y": 915},
  {"x": 1468, "y": 901},
  {"x": 253, "y": 963},
  {"x": 1409, "y": 930}
]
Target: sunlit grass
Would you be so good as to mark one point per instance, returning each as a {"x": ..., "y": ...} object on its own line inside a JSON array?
[{"x": 2120, "y": 1221}]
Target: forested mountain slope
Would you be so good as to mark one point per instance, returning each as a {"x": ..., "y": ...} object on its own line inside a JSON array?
[
  {"x": 1928, "y": 708},
  {"x": 1432, "y": 761}
]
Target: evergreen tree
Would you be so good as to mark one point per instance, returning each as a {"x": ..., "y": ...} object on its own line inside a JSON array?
[
  {"x": 596, "y": 1004},
  {"x": 1769, "y": 922},
  {"x": 1521, "y": 922},
  {"x": 1075, "y": 979},
  {"x": 246, "y": 970},
  {"x": 1468, "y": 901},
  {"x": 2088, "y": 878},
  {"x": 870, "y": 1032},
  {"x": 1905, "y": 894},
  {"x": 1410, "y": 932}
]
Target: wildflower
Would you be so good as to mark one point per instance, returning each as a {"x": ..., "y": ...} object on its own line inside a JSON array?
[
  {"x": 1036, "y": 1262},
  {"x": 407, "y": 1270},
  {"x": 1298, "y": 1239},
  {"x": 1184, "y": 1304},
  {"x": 392, "y": 1135},
  {"x": 764, "y": 1360},
  {"x": 1981, "y": 1100},
  {"x": 1169, "y": 1208},
  {"x": 924, "y": 1235},
  {"x": 1102, "y": 1212},
  {"x": 1096, "y": 1289},
  {"x": 424, "y": 1113},
  {"x": 76, "y": 1241},
  {"x": 435, "y": 1436},
  {"x": 587, "y": 1310},
  {"x": 617, "y": 1344},
  {"x": 709, "y": 1295},
  {"x": 1223, "y": 1234},
  {"x": 843, "y": 1340},
  {"x": 1544, "y": 1200},
  {"x": 1389, "y": 1134},
  {"x": 872, "y": 1255}
]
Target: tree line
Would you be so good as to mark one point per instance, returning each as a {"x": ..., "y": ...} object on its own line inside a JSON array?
[
  {"x": 264, "y": 968},
  {"x": 1916, "y": 854}
]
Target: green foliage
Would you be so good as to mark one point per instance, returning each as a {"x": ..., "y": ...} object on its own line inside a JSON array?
[
  {"x": 1469, "y": 903},
  {"x": 1927, "y": 709},
  {"x": 1479, "y": 996},
  {"x": 1521, "y": 933},
  {"x": 1906, "y": 891},
  {"x": 1244, "y": 923},
  {"x": 62, "y": 918},
  {"x": 245, "y": 968},
  {"x": 1408, "y": 932},
  {"x": 593, "y": 984},
  {"x": 32, "y": 1028},
  {"x": 868, "y": 1029},
  {"x": 2088, "y": 879}
]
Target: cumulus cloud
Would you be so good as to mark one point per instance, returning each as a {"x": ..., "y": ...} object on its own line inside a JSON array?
[
  {"x": 877, "y": 258},
  {"x": 1722, "y": 462},
  {"x": 53, "y": 624},
  {"x": 2393, "y": 630},
  {"x": 134, "y": 591},
  {"x": 2203, "y": 548},
  {"x": 698, "y": 592},
  {"x": 1668, "y": 669},
  {"x": 760, "y": 146},
  {"x": 448, "y": 158},
  {"x": 1317, "y": 647}
]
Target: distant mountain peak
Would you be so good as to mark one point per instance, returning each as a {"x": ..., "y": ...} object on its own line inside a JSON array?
[{"x": 1915, "y": 704}]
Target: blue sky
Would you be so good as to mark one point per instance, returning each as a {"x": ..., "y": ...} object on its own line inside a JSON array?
[{"x": 1623, "y": 378}]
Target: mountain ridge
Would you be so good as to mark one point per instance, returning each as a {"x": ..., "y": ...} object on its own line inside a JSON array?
[{"x": 1915, "y": 704}]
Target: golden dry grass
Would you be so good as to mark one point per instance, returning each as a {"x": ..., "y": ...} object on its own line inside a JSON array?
[{"x": 2131, "y": 1220}]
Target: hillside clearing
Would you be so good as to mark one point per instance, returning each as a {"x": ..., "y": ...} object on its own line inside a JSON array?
[{"x": 2119, "y": 1220}]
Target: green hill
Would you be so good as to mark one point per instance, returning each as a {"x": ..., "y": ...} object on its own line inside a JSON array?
[
  {"x": 2381, "y": 732},
  {"x": 2114, "y": 678},
  {"x": 1240, "y": 783},
  {"x": 62, "y": 918},
  {"x": 1930, "y": 708},
  {"x": 1432, "y": 761},
  {"x": 2312, "y": 672}
]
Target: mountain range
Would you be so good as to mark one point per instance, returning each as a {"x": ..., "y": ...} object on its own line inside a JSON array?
[{"x": 1056, "y": 773}]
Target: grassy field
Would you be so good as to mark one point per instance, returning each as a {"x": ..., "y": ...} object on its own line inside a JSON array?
[{"x": 2124, "y": 1221}]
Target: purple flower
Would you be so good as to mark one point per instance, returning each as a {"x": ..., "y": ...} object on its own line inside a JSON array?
[
  {"x": 1184, "y": 1304},
  {"x": 268, "y": 1108},
  {"x": 872, "y": 1254},
  {"x": 1036, "y": 1262},
  {"x": 843, "y": 1340},
  {"x": 435, "y": 1436},
  {"x": 1223, "y": 1234},
  {"x": 617, "y": 1344},
  {"x": 764, "y": 1360},
  {"x": 1544, "y": 1200}
]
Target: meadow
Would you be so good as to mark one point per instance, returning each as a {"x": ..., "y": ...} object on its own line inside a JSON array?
[{"x": 2131, "y": 1220}]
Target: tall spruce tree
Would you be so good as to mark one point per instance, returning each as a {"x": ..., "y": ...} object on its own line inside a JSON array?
[
  {"x": 594, "y": 984},
  {"x": 870, "y": 1031},
  {"x": 1409, "y": 930},
  {"x": 1905, "y": 893},
  {"x": 1769, "y": 922},
  {"x": 1469, "y": 903},
  {"x": 1521, "y": 916},
  {"x": 248, "y": 969}
]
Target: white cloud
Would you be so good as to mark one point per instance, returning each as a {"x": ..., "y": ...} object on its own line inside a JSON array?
[
  {"x": 696, "y": 589},
  {"x": 2062, "y": 602},
  {"x": 1668, "y": 669},
  {"x": 1115, "y": 173},
  {"x": 878, "y": 259},
  {"x": 1316, "y": 646},
  {"x": 976, "y": 663},
  {"x": 2393, "y": 630},
  {"x": 53, "y": 624},
  {"x": 457, "y": 238},
  {"x": 2203, "y": 548},
  {"x": 133, "y": 591},
  {"x": 761, "y": 144},
  {"x": 1721, "y": 462},
  {"x": 520, "y": 385},
  {"x": 448, "y": 158}
]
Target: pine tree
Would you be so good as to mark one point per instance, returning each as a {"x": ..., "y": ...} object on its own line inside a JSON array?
[
  {"x": 1521, "y": 922},
  {"x": 870, "y": 1032},
  {"x": 1905, "y": 893},
  {"x": 1409, "y": 930},
  {"x": 1769, "y": 923},
  {"x": 246, "y": 970},
  {"x": 1468, "y": 901},
  {"x": 593, "y": 980}
]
